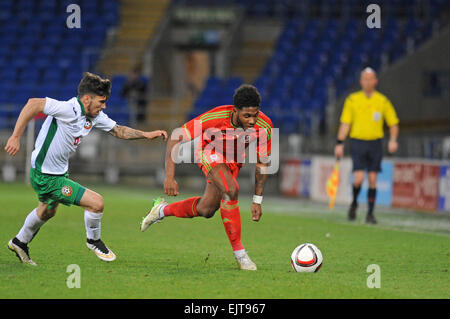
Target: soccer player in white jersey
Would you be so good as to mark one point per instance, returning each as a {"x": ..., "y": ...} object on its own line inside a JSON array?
[{"x": 66, "y": 124}]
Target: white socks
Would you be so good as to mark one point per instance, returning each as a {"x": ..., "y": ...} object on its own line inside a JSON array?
[
  {"x": 239, "y": 253},
  {"x": 30, "y": 227},
  {"x": 93, "y": 222},
  {"x": 33, "y": 223}
]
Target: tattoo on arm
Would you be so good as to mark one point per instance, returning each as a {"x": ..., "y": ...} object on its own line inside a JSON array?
[
  {"x": 126, "y": 133},
  {"x": 260, "y": 179}
]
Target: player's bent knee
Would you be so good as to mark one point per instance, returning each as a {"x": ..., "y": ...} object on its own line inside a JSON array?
[
  {"x": 231, "y": 194},
  {"x": 97, "y": 205},
  {"x": 47, "y": 214},
  {"x": 209, "y": 214},
  {"x": 358, "y": 180},
  {"x": 206, "y": 212},
  {"x": 92, "y": 202}
]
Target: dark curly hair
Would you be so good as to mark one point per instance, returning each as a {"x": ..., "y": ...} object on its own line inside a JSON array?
[
  {"x": 94, "y": 85},
  {"x": 246, "y": 96}
]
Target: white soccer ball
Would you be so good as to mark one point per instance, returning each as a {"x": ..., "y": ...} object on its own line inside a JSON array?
[{"x": 306, "y": 258}]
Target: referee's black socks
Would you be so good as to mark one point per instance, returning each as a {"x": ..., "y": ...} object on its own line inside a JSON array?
[
  {"x": 356, "y": 190},
  {"x": 371, "y": 195}
]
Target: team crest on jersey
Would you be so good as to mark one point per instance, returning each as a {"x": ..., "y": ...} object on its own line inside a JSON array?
[
  {"x": 214, "y": 157},
  {"x": 376, "y": 116},
  {"x": 66, "y": 191},
  {"x": 88, "y": 124}
]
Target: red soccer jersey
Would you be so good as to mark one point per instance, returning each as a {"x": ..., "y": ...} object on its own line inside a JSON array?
[{"x": 220, "y": 136}]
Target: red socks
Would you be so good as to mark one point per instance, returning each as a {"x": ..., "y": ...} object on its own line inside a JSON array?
[
  {"x": 229, "y": 211},
  {"x": 231, "y": 218},
  {"x": 185, "y": 209}
]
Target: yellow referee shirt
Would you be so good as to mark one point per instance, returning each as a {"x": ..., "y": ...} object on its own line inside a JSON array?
[{"x": 366, "y": 115}]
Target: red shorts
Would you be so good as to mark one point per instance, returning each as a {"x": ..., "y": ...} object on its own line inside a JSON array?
[{"x": 208, "y": 161}]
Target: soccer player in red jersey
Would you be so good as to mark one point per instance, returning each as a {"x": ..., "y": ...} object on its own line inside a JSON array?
[{"x": 225, "y": 131}]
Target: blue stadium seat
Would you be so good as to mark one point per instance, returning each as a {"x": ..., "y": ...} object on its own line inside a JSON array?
[
  {"x": 118, "y": 81},
  {"x": 290, "y": 124},
  {"x": 29, "y": 75},
  {"x": 67, "y": 93},
  {"x": 9, "y": 74},
  {"x": 4, "y": 96},
  {"x": 46, "y": 89},
  {"x": 5, "y": 123},
  {"x": 19, "y": 97},
  {"x": 52, "y": 74}
]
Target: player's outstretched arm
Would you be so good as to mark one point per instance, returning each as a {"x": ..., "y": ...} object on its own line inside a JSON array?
[
  {"x": 170, "y": 184},
  {"x": 260, "y": 180},
  {"x": 128, "y": 133},
  {"x": 33, "y": 107}
]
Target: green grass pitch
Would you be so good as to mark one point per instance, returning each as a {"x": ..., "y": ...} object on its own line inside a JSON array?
[{"x": 192, "y": 258}]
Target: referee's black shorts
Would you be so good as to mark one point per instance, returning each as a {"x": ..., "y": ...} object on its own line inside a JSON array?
[{"x": 366, "y": 155}]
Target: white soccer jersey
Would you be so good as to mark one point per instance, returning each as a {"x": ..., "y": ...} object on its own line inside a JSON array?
[{"x": 62, "y": 132}]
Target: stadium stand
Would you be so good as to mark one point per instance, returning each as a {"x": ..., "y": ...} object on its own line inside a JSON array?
[
  {"x": 40, "y": 56},
  {"x": 323, "y": 43},
  {"x": 138, "y": 22}
]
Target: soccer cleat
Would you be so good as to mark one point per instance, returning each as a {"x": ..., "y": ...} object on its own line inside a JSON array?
[
  {"x": 370, "y": 219},
  {"x": 100, "y": 249},
  {"x": 21, "y": 250},
  {"x": 352, "y": 211},
  {"x": 153, "y": 216},
  {"x": 245, "y": 263}
]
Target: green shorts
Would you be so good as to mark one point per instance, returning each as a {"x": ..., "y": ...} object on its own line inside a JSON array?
[{"x": 54, "y": 189}]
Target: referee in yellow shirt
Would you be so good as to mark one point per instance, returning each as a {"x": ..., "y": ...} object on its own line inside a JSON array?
[{"x": 363, "y": 116}]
